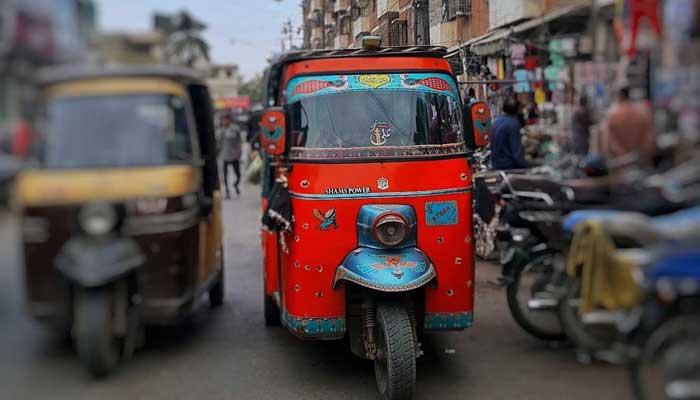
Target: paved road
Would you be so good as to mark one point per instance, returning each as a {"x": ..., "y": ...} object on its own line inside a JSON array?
[{"x": 229, "y": 354}]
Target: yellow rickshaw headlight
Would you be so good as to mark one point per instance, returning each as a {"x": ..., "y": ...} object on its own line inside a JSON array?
[{"x": 97, "y": 218}]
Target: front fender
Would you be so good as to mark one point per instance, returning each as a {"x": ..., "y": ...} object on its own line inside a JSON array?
[
  {"x": 395, "y": 270},
  {"x": 92, "y": 262}
]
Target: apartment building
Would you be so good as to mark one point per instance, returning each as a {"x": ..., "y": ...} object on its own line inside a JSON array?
[{"x": 341, "y": 23}]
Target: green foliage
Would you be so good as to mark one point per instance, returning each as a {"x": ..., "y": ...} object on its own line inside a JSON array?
[{"x": 253, "y": 88}]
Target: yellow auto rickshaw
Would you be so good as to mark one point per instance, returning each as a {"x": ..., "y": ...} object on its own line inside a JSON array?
[{"x": 121, "y": 215}]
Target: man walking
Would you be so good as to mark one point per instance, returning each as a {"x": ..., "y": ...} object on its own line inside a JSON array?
[
  {"x": 231, "y": 142},
  {"x": 506, "y": 146},
  {"x": 629, "y": 128},
  {"x": 581, "y": 123}
]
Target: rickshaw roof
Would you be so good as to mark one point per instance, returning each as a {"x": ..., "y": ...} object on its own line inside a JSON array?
[
  {"x": 277, "y": 64},
  {"x": 396, "y": 51},
  {"x": 54, "y": 75}
]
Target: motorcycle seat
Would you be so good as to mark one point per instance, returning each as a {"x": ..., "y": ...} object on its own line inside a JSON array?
[
  {"x": 540, "y": 192},
  {"x": 677, "y": 265},
  {"x": 681, "y": 225},
  {"x": 579, "y": 216}
]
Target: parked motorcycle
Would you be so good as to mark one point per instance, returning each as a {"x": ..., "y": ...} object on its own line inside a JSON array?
[
  {"x": 666, "y": 335},
  {"x": 600, "y": 281},
  {"x": 536, "y": 204}
]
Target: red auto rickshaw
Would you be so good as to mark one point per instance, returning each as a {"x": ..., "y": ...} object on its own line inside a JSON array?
[{"x": 367, "y": 197}]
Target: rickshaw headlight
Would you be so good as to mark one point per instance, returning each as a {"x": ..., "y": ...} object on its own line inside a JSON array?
[
  {"x": 390, "y": 229},
  {"x": 97, "y": 218}
]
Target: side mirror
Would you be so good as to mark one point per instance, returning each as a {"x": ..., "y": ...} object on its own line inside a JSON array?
[
  {"x": 478, "y": 124},
  {"x": 272, "y": 131}
]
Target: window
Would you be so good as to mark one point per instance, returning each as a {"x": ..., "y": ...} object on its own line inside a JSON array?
[
  {"x": 400, "y": 118},
  {"x": 454, "y": 8},
  {"x": 116, "y": 131},
  {"x": 398, "y": 33}
]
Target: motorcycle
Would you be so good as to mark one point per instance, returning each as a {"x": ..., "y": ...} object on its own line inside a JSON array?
[
  {"x": 666, "y": 335},
  {"x": 536, "y": 204},
  {"x": 595, "y": 332}
]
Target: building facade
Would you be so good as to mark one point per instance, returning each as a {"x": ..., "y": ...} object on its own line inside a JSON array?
[
  {"x": 132, "y": 48},
  {"x": 223, "y": 80},
  {"x": 506, "y": 12},
  {"x": 342, "y": 23}
]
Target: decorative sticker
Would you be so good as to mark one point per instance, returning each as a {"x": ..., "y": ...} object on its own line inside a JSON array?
[
  {"x": 382, "y": 184},
  {"x": 441, "y": 213},
  {"x": 432, "y": 82},
  {"x": 374, "y": 81},
  {"x": 303, "y": 87},
  {"x": 396, "y": 262},
  {"x": 379, "y": 133},
  {"x": 315, "y": 85},
  {"x": 327, "y": 219},
  {"x": 481, "y": 118}
]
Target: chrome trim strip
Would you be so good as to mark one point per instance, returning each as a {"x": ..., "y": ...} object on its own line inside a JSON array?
[
  {"x": 302, "y": 154},
  {"x": 421, "y": 193},
  {"x": 163, "y": 223}
]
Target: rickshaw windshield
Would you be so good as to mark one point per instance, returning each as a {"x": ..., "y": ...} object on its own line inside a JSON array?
[
  {"x": 374, "y": 111},
  {"x": 116, "y": 131}
]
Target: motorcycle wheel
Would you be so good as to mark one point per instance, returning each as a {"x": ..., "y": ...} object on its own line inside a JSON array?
[
  {"x": 669, "y": 365},
  {"x": 97, "y": 346},
  {"x": 591, "y": 341},
  {"x": 395, "y": 361},
  {"x": 528, "y": 280}
]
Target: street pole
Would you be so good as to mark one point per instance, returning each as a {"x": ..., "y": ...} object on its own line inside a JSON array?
[
  {"x": 323, "y": 24},
  {"x": 594, "y": 30}
]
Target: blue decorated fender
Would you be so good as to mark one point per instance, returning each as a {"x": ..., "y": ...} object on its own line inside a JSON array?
[{"x": 386, "y": 270}]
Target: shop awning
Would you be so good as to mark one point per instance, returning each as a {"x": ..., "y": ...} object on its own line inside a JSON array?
[
  {"x": 489, "y": 43},
  {"x": 497, "y": 40},
  {"x": 551, "y": 16}
]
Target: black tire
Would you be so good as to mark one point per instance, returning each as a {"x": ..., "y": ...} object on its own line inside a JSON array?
[
  {"x": 395, "y": 364},
  {"x": 98, "y": 348},
  {"x": 588, "y": 340},
  {"x": 272, "y": 312},
  {"x": 671, "y": 352},
  {"x": 216, "y": 293},
  {"x": 543, "y": 327}
]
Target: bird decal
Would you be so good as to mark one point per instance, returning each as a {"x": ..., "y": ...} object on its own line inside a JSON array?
[{"x": 327, "y": 219}]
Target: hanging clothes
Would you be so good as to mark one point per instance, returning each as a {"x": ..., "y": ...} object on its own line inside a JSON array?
[{"x": 606, "y": 281}]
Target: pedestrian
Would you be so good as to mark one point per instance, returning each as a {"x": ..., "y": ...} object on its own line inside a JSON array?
[
  {"x": 506, "y": 145},
  {"x": 231, "y": 149},
  {"x": 581, "y": 122},
  {"x": 628, "y": 128},
  {"x": 471, "y": 96}
]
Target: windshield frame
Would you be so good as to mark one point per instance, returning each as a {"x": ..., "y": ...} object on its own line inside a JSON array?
[
  {"x": 194, "y": 159},
  {"x": 377, "y": 153}
]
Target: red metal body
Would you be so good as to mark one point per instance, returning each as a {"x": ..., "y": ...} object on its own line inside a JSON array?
[{"x": 303, "y": 272}]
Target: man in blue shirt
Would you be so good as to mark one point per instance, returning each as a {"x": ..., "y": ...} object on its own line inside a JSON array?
[{"x": 506, "y": 147}]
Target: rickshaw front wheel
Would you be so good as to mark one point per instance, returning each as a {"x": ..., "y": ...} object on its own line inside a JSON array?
[
  {"x": 216, "y": 293},
  {"x": 97, "y": 346},
  {"x": 272, "y": 312},
  {"x": 395, "y": 361}
]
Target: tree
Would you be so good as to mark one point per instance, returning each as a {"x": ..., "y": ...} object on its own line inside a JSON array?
[
  {"x": 184, "y": 42},
  {"x": 252, "y": 88}
]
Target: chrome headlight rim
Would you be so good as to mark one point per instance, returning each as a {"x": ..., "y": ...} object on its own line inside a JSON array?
[
  {"x": 97, "y": 219},
  {"x": 387, "y": 221}
]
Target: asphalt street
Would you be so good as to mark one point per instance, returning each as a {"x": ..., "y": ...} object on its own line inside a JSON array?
[{"x": 230, "y": 354}]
